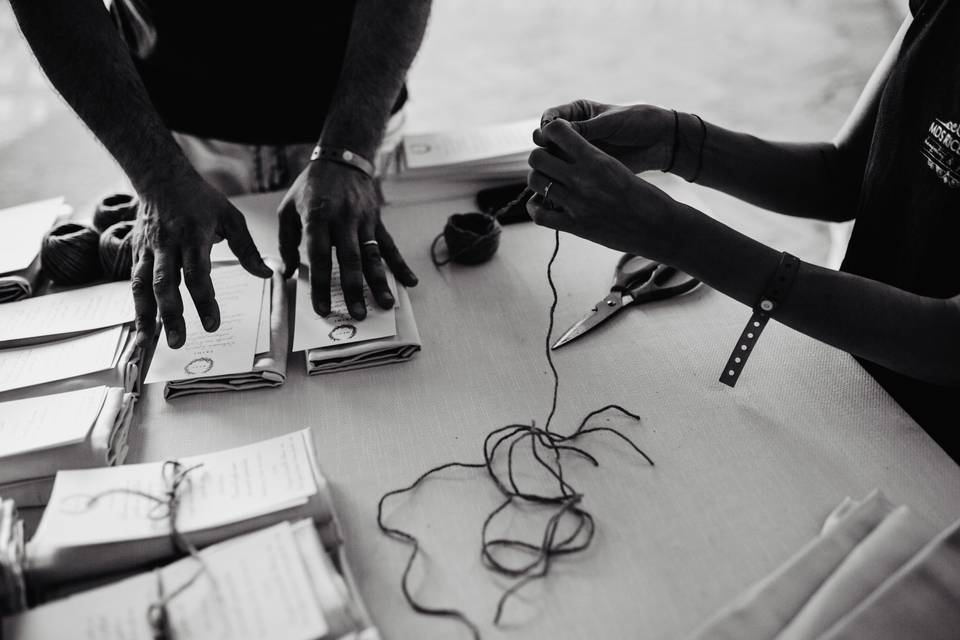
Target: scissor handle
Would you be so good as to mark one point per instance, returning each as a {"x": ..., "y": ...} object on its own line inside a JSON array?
[
  {"x": 667, "y": 282},
  {"x": 632, "y": 271}
]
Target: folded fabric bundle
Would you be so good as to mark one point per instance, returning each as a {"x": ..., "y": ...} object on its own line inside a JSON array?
[
  {"x": 269, "y": 367},
  {"x": 372, "y": 353},
  {"x": 13, "y": 590},
  {"x": 20, "y": 284},
  {"x": 875, "y": 571}
]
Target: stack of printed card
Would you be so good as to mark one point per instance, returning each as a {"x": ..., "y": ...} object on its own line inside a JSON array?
[
  {"x": 271, "y": 560},
  {"x": 337, "y": 342},
  {"x": 71, "y": 340},
  {"x": 248, "y": 351},
  {"x": 71, "y": 430}
]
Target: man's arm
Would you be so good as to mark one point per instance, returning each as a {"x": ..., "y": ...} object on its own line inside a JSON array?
[
  {"x": 180, "y": 217},
  {"x": 340, "y": 205}
]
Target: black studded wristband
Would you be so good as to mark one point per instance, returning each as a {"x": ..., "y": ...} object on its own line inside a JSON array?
[{"x": 773, "y": 296}]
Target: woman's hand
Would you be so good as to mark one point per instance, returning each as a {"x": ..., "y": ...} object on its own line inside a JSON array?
[
  {"x": 639, "y": 136},
  {"x": 598, "y": 198}
]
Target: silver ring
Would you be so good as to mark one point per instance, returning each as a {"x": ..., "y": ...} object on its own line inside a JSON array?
[
  {"x": 373, "y": 243},
  {"x": 547, "y": 190}
]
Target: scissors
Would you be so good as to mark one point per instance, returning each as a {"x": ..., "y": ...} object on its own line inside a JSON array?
[{"x": 636, "y": 280}]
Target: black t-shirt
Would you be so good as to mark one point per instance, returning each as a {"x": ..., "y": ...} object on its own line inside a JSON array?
[
  {"x": 908, "y": 220},
  {"x": 243, "y": 72}
]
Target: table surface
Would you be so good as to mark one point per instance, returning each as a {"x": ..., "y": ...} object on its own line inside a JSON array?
[{"x": 743, "y": 476}]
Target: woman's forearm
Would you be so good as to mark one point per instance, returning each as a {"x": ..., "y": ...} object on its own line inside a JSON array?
[
  {"x": 809, "y": 180},
  {"x": 912, "y": 334}
]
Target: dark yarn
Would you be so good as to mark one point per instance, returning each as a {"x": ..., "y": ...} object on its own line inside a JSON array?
[
  {"x": 119, "y": 207},
  {"x": 70, "y": 254},
  {"x": 473, "y": 238},
  {"x": 116, "y": 251},
  {"x": 549, "y": 450}
]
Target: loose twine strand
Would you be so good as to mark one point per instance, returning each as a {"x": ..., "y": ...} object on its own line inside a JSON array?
[
  {"x": 565, "y": 504},
  {"x": 166, "y": 507}
]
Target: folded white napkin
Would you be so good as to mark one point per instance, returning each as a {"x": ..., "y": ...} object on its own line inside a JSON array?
[{"x": 863, "y": 555}]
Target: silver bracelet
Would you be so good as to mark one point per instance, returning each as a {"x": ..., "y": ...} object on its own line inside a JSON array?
[{"x": 345, "y": 157}]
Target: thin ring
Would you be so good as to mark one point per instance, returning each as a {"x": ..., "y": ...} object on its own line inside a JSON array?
[
  {"x": 547, "y": 190},
  {"x": 371, "y": 243}
]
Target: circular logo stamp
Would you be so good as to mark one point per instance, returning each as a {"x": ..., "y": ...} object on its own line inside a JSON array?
[
  {"x": 198, "y": 366},
  {"x": 342, "y": 332}
]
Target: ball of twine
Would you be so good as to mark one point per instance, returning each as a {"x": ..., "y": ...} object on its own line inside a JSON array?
[
  {"x": 118, "y": 207},
  {"x": 70, "y": 254},
  {"x": 116, "y": 251},
  {"x": 471, "y": 238}
]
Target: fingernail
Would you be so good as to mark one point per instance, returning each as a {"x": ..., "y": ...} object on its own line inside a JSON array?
[
  {"x": 173, "y": 337},
  {"x": 388, "y": 297},
  {"x": 358, "y": 311},
  {"x": 209, "y": 323}
]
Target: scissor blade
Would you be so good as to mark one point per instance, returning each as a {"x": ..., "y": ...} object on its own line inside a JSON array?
[{"x": 601, "y": 312}]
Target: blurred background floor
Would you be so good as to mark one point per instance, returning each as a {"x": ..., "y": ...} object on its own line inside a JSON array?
[{"x": 787, "y": 69}]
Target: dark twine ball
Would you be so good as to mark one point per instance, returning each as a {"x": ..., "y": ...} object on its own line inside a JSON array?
[
  {"x": 70, "y": 254},
  {"x": 471, "y": 238},
  {"x": 119, "y": 207},
  {"x": 116, "y": 251}
]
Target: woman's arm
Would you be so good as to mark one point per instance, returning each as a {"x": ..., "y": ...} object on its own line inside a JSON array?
[
  {"x": 811, "y": 180},
  {"x": 601, "y": 200}
]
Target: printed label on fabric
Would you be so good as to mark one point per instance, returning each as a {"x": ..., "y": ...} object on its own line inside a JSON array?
[{"x": 941, "y": 149}]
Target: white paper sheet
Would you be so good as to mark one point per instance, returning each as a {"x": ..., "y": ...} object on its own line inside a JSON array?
[
  {"x": 231, "y": 348},
  {"x": 231, "y": 486},
  {"x": 27, "y": 366},
  {"x": 472, "y": 145},
  {"x": 96, "y": 307},
  {"x": 41, "y": 423},
  {"x": 255, "y": 587},
  {"x": 312, "y": 331},
  {"x": 22, "y": 229}
]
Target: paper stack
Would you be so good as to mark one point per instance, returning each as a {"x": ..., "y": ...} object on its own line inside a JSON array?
[
  {"x": 76, "y": 429},
  {"x": 448, "y": 164},
  {"x": 480, "y": 153},
  {"x": 876, "y": 571},
  {"x": 94, "y": 526},
  {"x": 248, "y": 351},
  {"x": 21, "y": 231},
  {"x": 271, "y": 561},
  {"x": 337, "y": 342},
  {"x": 71, "y": 340},
  {"x": 13, "y": 596},
  {"x": 276, "y": 583}
]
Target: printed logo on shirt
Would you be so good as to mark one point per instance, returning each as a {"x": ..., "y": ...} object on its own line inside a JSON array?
[{"x": 941, "y": 149}]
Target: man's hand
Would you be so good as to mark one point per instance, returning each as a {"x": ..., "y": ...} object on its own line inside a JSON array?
[
  {"x": 639, "y": 136},
  {"x": 598, "y": 198},
  {"x": 175, "y": 229},
  {"x": 340, "y": 207}
]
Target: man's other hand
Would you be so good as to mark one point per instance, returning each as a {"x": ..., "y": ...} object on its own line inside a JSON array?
[
  {"x": 175, "y": 229},
  {"x": 340, "y": 207}
]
